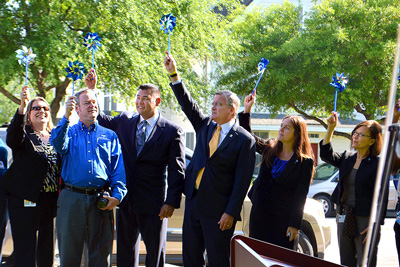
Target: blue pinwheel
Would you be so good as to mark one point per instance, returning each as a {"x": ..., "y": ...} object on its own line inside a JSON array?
[
  {"x": 92, "y": 42},
  {"x": 75, "y": 70},
  {"x": 25, "y": 56},
  {"x": 339, "y": 81},
  {"x": 262, "y": 66},
  {"x": 168, "y": 23}
]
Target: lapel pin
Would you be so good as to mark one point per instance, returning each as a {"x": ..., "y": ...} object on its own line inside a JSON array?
[{"x": 231, "y": 135}]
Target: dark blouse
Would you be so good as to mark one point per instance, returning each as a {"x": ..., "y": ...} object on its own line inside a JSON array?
[{"x": 49, "y": 153}]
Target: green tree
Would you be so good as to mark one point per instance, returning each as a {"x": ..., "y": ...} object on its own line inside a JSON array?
[
  {"x": 133, "y": 44},
  {"x": 355, "y": 37}
]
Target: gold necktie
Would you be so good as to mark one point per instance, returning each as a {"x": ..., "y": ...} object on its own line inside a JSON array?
[{"x": 213, "y": 145}]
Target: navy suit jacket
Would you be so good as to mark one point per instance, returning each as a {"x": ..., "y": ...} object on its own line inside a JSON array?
[
  {"x": 146, "y": 173},
  {"x": 228, "y": 172}
]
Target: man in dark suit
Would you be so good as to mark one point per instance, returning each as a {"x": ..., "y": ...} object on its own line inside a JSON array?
[
  {"x": 149, "y": 143},
  {"x": 217, "y": 177}
]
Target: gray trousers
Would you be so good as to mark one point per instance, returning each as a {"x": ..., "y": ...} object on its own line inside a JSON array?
[
  {"x": 79, "y": 221},
  {"x": 351, "y": 249}
]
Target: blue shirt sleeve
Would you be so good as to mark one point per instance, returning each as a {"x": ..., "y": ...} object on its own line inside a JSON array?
[
  {"x": 117, "y": 176},
  {"x": 59, "y": 136}
]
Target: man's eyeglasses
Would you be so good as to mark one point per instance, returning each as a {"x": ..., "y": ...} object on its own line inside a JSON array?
[
  {"x": 37, "y": 108},
  {"x": 360, "y": 134}
]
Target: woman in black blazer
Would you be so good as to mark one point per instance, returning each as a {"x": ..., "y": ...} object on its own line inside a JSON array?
[
  {"x": 279, "y": 193},
  {"x": 354, "y": 192},
  {"x": 32, "y": 183}
]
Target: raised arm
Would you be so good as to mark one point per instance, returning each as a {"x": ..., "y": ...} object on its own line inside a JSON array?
[
  {"x": 332, "y": 122},
  {"x": 326, "y": 151},
  {"x": 244, "y": 121},
  {"x": 15, "y": 131},
  {"x": 59, "y": 135},
  {"x": 185, "y": 100}
]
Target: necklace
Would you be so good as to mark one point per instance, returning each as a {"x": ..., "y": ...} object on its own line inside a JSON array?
[{"x": 42, "y": 135}]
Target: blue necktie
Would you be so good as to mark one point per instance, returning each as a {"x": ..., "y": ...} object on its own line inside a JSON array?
[{"x": 141, "y": 136}]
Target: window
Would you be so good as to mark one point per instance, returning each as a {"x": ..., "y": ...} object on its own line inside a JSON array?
[
  {"x": 257, "y": 165},
  {"x": 189, "y": 136},
  {"x": 324, "y": 171},
  {"x": 310, "y": 135},
  {"x": 263, "y": 135}
]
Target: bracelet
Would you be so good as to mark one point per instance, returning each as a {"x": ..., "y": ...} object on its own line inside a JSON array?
[{"x": 174, "y": 74}]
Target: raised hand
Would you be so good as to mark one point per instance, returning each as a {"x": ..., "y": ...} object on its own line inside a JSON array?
[
  {"x": 24, "y": 100},
  {"x": 332, "y": 121},
  {"x": 91, "y": 79},
  {"x": 69, "y": 106},
  {"x": 249, "y": 102}
]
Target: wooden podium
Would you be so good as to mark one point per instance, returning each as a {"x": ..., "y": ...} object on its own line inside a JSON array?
[{"x": 250, "y": 252}]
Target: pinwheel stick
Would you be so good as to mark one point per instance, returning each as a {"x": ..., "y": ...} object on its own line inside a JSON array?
[
  {"x": 73, "y": 88},
  {"x": 259, "y": 79},
  {"x": 334, "y": 106},
  {"x": 92, "y": 58},
  {"x": 26, "y": 72},
  {"x": 169, "y": 41}
]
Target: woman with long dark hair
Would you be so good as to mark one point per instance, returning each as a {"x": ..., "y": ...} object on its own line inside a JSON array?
[{"x": 279, "y": 193}]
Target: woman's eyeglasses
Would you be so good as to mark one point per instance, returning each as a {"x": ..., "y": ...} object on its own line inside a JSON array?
[
  {"x": 37, "y": 108},
  {"x": 360, "y": 134}
]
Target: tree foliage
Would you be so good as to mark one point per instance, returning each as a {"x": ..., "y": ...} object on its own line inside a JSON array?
[
  {"x": 355, "y": 37},
  {"x": 133, "y": 44}
]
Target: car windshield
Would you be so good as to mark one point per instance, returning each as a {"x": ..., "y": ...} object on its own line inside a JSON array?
[{"x": 324, "y": 171}]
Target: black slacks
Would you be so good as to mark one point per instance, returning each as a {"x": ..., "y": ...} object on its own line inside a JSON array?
[
  {"x": 25, "y": 222},
  {"x": 201, "y": 232},
  {"x": 130, "y": 227}
]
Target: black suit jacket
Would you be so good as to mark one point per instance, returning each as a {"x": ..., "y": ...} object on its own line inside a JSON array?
[
  {"x": 285, "y": 195},
  {"x": 146, "y": 178},
  {"x": 26, "y": 174},
  {"x": 227, "y": 172},
  {"x": 365, "y": 177}
]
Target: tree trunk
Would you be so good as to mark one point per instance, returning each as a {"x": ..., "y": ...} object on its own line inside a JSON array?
[
  {"x": 55, "y": 104},
  {"x": 10, "y": 96}
]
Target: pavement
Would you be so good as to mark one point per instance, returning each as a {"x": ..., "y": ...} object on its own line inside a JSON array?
[{"x": 387, "y": 253}]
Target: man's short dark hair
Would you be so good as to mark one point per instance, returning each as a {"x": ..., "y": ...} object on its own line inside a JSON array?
[{"x": 152, "y": 87}]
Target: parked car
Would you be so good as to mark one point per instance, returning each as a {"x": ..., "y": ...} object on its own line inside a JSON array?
[{"x": 325, "y": 180}]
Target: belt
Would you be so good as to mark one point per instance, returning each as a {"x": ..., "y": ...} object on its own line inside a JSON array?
[{"x": 83, "y": 190}]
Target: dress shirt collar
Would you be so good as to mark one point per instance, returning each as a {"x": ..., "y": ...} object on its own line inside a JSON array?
[
  {"x": 226, "y": 127},
  {"x": 152, "y": 121},
  {"x": 92, "y": 127}
]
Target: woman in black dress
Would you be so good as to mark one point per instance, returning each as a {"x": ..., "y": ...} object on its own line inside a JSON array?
[{"x": 279, "y": 193}]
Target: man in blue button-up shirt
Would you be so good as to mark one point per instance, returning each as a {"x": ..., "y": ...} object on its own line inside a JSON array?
[{"x": 92, "y": 161}]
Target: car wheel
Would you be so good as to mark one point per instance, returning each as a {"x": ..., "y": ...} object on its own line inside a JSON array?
[
  {"x": 305, "y": 245},
  {"x": 326, "y": 204}
]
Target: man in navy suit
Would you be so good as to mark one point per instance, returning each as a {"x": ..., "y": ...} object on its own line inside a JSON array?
[
  {"x": 217, "y": 178},
  {"x": 149, "y": 143}
]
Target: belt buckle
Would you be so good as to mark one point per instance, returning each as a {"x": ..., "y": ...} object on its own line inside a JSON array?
[{"x": 88, "y": 191}]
